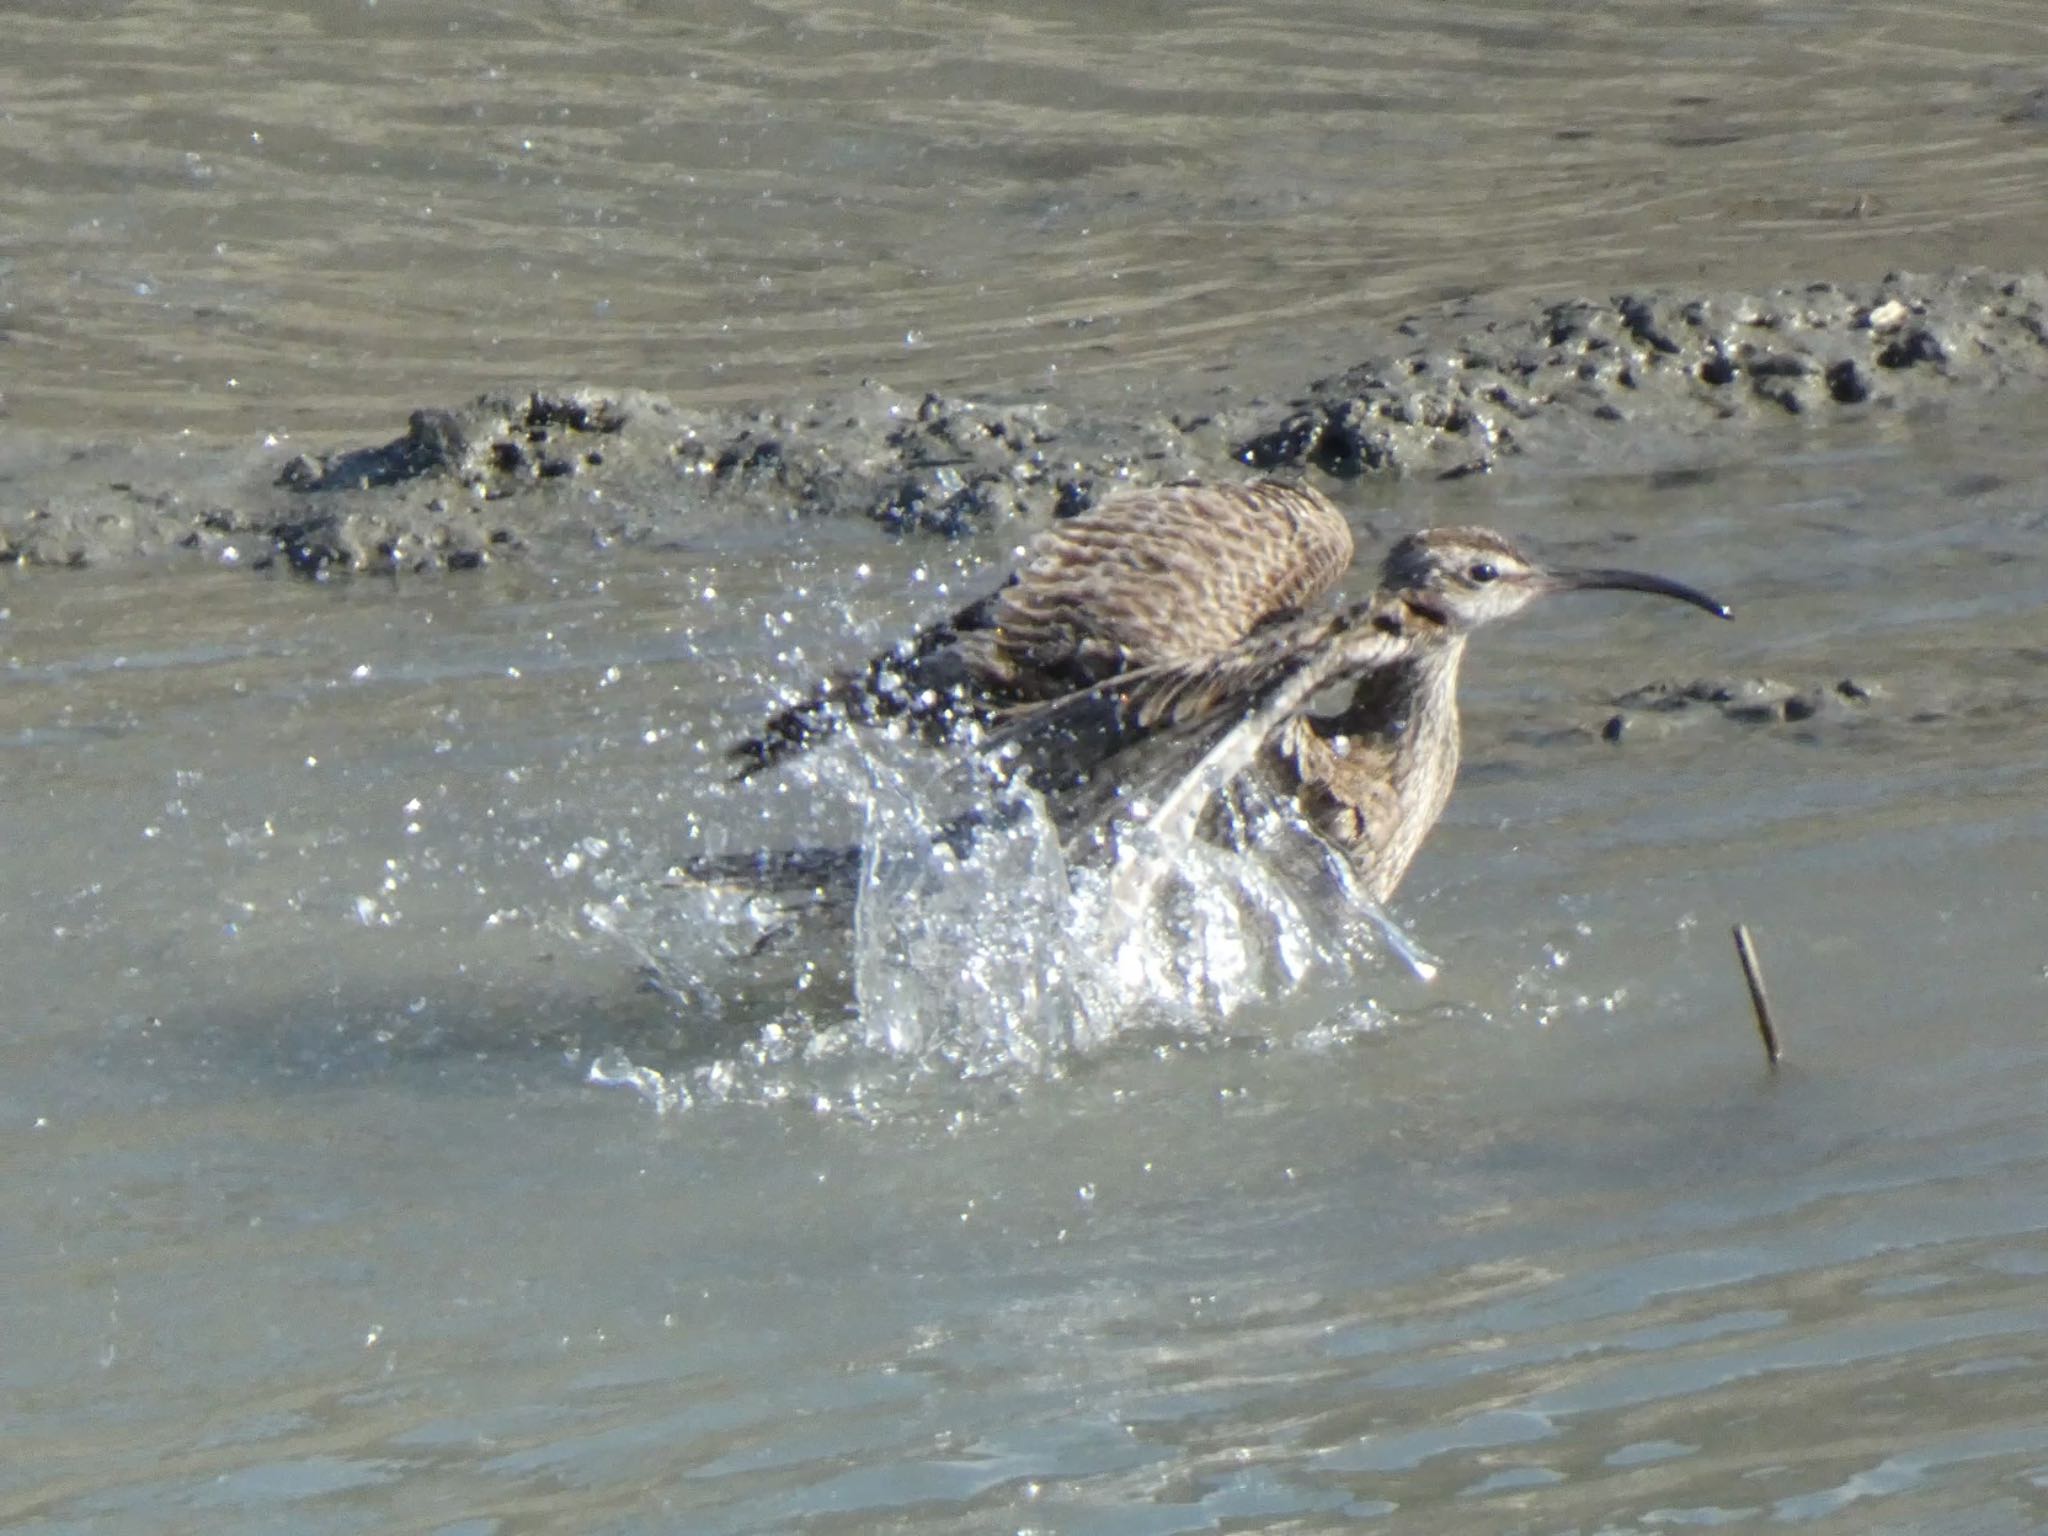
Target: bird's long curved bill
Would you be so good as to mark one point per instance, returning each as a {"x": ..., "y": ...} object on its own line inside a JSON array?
[{"x": 1640, "y": 581}]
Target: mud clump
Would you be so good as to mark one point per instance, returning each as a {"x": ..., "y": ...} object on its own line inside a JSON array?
[
  {"x": 941, "y": 466},
  {"x": 582, "y": 466},
  {"x": 1641, "y": 381},
  {"x": 1661, "y": 364},
  {"x": 1658, "y": 709},
  {"x": 485, "y": 454},
  {"x": 498, "y": 441}
]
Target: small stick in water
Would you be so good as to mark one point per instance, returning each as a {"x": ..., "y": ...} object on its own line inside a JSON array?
[{"x": 1753, "y": 974}]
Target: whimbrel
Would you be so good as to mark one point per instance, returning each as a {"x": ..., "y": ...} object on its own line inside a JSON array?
[{"x": 1171, "y": 626}]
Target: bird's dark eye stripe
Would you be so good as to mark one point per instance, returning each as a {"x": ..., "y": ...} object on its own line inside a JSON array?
[{"x": 1483, "y": 570}]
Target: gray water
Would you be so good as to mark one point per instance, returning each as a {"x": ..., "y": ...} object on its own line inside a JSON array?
[
  {"x": 359, "y": 1176},
  {"x": 316, "y": 1221},
  {"x": 309, "y": 217}
]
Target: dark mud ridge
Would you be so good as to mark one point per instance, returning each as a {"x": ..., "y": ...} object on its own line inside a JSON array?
[
  {"x": 1645, "y": 380},
  {"x": 1658, "y": 709}
]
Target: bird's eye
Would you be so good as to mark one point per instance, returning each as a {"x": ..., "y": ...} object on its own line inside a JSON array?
[{"x": 1483, "y": 570}]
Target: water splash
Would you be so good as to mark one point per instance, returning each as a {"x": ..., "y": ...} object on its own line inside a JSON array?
[
  {"x": 1002, "y": 956},
  {"x": 615, "y": 1069},
  {"x": 961, "y": 956}
]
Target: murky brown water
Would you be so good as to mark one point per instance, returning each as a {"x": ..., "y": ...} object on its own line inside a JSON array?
[{"x": 312, "y": 1220}]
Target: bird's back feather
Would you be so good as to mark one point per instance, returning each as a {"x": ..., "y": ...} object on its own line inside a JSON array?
[{"x": 1154, "y": 576}]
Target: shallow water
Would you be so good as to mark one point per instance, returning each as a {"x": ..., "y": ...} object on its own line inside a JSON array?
[
  {"x": 324, "y": 908},
  {"x": 316, "y": 1221},
  {"x": 307, "y": 218}
]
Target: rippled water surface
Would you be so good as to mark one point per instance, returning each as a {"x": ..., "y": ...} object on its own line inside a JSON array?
[
  {"x": 389, "y": 1148},
  {"x": 317, "y": 1220},
  {"x": 313, "y": 216}
]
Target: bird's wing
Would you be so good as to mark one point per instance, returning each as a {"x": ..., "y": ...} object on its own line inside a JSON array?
[
  {"x": 1260, "y": 700},
  {"x": 925, "y": 678},
  {"x": 1150, "y": 576},
  {"x": 1162, "y": 575},
  {"x": 1201, "y": 723}
]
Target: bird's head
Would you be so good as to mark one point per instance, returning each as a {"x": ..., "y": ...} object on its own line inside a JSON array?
[{"x": 1466, "y": 577}]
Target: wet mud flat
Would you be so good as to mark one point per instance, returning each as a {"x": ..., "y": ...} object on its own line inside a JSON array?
[{"x": 1650, "y": 381}]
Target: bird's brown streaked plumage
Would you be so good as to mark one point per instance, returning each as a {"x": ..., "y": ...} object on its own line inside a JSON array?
[
  {"x": 1155, "y": 577},
  {"x": 1153, "y": 653},
  {"x": 1152, "y": 576},
  {"x": 1373, "y": 777}
]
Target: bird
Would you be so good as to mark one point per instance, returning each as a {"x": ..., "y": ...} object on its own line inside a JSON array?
[
  {"x": 1148, "y": 576},
  {"x": 1154, "y": 653}
]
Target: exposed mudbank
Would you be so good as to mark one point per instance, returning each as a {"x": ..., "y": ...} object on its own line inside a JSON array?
[
  {"x": 1660, "y": 708},
  {"x": 1643, "y": 379}
]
